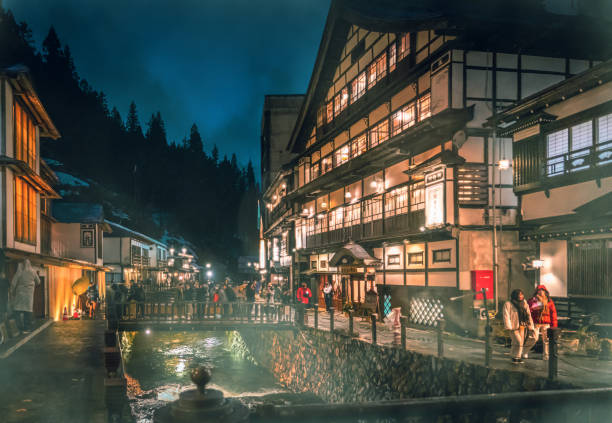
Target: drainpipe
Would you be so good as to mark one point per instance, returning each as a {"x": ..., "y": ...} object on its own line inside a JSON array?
[{"x": 494, "y": 218}]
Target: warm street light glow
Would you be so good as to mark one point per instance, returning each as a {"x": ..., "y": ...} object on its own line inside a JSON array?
[
  {"x": 184, "y": 250},
  {"x": 208, "y": 265},
  {"x": 422, "y": 229},
  {"x": 374, "y": 184},
  {"x": 209, "y": 274},
  {"x": 347, "y": 194},
  {"x": 324, "y": 204},
  {"x": 284, "y": 186},
  {"x": 171, "y": 251},
  {"x": 504, "y": 164}
]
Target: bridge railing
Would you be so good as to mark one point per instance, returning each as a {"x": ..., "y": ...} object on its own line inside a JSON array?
[{"x": 193, "y": 311}]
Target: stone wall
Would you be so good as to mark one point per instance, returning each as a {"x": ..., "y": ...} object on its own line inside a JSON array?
[{"x": 338, "y": 368}]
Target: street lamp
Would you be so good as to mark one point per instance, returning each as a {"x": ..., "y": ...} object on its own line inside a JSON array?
[
  {"x": 208, "y": 265},
  {"x": 209, "y": 274}
]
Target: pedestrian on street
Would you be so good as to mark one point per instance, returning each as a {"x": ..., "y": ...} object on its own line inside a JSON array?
[
  {"x": 93, "y": 299},
  {"x": 517, "y": 319},
  {"x": 22, "y": 294},
  {"x": 139, "y": 297},
  {"x": 328, "y": 294},
  {"x": 304, "y": 294},
  {"x": 544, "y": 315}
]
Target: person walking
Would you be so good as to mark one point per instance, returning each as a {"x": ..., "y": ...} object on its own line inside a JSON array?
[
  {"x": 517, "y": 319},
  {"x": 544, "y": 316},
  {"x": 22, "y": 294},
  {"x": 328, "y": 294},
  {"x": 92, "y": 299}
]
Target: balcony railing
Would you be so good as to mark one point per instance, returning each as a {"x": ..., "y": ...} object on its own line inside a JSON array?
[
  {"x": 391, "y": 225},
  {"x": 140, "y": 260},
  {"x": 585, "y": 158}
]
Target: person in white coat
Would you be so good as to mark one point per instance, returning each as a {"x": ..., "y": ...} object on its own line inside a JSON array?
[
  {"x": 22, "y": 293},
  {"x": 517, "y": 319}
]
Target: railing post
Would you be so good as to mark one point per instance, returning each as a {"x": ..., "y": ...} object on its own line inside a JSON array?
[
  {"x": 316, "y": 316},
  {"x": 404, "y": 323},
  {"x": 261, "y": 313},
  {"x": 331, "y": 319},
  {"x": 350, "y": 313},
  {"x": 440, "y": 328},
  {"x": 374, "y": 318},
  {"x": 553, "y": 342},
  {"x": 488, "y": 346}
]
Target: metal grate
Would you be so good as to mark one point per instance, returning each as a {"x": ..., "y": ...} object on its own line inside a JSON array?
[{"x": 426, "y": 311}]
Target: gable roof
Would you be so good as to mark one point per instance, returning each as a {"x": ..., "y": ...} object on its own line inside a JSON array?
[
  {"x": 527, "y": 27},
  {"x": 119, "y": 231},
  {"x": 19, "y": 77}
]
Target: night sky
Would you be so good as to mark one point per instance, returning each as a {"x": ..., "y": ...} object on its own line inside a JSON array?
[{"x": 202, "y": 61}]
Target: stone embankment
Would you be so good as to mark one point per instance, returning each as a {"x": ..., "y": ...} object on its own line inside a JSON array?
[{"x": 339, "y": 368}]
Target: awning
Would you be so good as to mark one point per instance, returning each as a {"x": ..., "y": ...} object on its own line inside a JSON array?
[
  {"x": 564, "y": 230},
  {"x": 311, "y": 272},
  {"x": 353, "y": 254},
  {"x": 40, "y": 259}
]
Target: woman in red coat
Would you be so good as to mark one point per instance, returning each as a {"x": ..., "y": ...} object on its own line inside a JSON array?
[{"x": 544, "y": 315}]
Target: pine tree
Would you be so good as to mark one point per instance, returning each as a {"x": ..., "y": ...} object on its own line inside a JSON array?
[
  {"x": 132, "y": 123},
  {"x": 215, "y": 154},
  {"x": 156, "y": 132},
  {"x": 195, "y": 144}
]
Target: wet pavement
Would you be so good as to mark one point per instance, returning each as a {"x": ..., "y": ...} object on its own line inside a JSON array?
[
  {"x": 58, "y": 376},
  {"x": 579, "y": 370}
]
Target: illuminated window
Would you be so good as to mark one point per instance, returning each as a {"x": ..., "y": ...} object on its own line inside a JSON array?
[
  {"x": 396, "y": 202},
  {"x": 417, "y": 196},
  {"x": 424, "y": 107},
  {"x": 25, "y": 212},
  {"x": 352, "y": 215},
  {"x": 326, "y": 165},
  {"x": 404, "y": 46},
  {"x": 341, "y": 101},
  {"x": 377, "y": 70},
  {"x": 25, "y": 137},
  {"x": 359, "y": 145},
  {"x": 403, "y": 119},
  {"x": 330, "y": 111},
  {"x": 320, "y": 117},
  {"x": 415, "y": 258},
  {"x": 379, "y": 133},
  {"x": 392, "y": 57},
  {"x": 342, "y": 155},
  {"x": 358, "y": 86},
  {"x": 335, "y": 218},
  {"x": 372, "y": 209},
  {"x": 393, "y": 259},
  {"x": 316, "y": 171}
]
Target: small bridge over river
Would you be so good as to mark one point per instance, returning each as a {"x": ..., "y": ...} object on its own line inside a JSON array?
[{"x": 193, "y": 315}]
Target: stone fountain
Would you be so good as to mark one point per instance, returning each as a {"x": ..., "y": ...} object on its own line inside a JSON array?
[{"x": 202, "y": 405}]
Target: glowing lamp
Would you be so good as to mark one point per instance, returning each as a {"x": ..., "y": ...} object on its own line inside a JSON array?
[
  {"x": 504, "y": 164},
  {"x": 373, "y": 184},
  {"x": 537, "y": 264},
  {"x": 208, "y": 265},
  {"x": 347, "y": 194}
]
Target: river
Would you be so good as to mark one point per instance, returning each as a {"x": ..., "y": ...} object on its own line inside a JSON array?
[{"x": 157, "y": 367}]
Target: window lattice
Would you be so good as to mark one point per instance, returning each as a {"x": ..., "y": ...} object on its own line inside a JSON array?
[
  {"x": 582, "y": 136},
  {"x": 604, "y": 129}
]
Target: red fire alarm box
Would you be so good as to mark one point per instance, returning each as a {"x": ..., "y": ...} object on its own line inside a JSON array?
[{"x": 482, "y": 279}]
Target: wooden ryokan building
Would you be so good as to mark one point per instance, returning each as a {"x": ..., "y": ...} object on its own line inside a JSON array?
[{"x": 395, "y": 183}]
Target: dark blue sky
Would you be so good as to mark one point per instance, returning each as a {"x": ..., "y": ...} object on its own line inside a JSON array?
[{"x": 203, "y": 61}]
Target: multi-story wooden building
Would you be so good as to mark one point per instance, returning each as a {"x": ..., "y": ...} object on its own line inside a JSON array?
[
  {"x": 398, "y": 186},
  {"x": 26, "y": 194},
  {"x": 562, "y": 162}
]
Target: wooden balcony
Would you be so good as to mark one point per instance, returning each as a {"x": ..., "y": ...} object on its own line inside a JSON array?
[{"x": 137, "y": 260}]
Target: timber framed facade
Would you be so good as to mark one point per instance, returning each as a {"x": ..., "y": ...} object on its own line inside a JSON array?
[{"x": 393, "y": 154}]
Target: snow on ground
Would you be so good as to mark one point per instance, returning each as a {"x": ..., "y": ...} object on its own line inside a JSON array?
[{"x": 67, "y": 179}]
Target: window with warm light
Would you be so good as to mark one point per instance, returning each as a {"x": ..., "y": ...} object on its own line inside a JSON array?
[
  {"x": 403, "y": 119},
  {"x": 342, "y": 155},
  {"x": 359, "y": 146},
  {"x": 404, "y": 46},
  {"x": 417, "y": 196},
  {"x": 330, "y": 112},
  {"x": 358, "y": 86},
  {"x": 377, "y": 70},
  {"x": 424, "y": 107},
  {"x": 25, "y": 212},
  {"x": 25, "y": 136},
  {"x": 392, "y": 57},
  {"x": 379, "y": 133}
]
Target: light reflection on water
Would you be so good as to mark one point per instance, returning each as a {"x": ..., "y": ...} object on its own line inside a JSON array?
[{"x": 157, "y": 368}]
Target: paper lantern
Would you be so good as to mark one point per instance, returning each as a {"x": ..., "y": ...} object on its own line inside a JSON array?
[{"x": 80, "y": 285}]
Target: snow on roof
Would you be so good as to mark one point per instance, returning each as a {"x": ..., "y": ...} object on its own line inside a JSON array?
[
  {"x": 67, "y": 179},
  {"x": 119, "y": 230}
]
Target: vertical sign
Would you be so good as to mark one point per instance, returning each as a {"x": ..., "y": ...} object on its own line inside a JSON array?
[{"x": 434, "y": 198}]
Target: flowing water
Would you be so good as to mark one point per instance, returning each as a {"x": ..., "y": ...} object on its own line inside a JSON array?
[{"x": 157, "y": 367}]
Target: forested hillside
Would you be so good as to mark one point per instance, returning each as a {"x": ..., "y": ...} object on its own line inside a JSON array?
[{"x": 160, "y": 184}]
